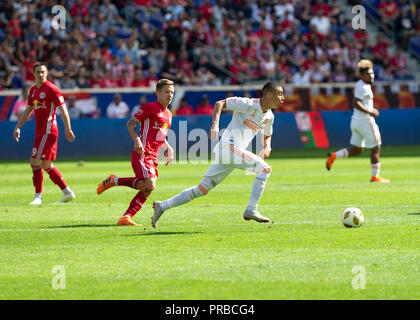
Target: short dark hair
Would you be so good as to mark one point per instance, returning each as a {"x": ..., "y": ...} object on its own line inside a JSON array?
[
  {"x": 270, "y": 87},
  {"x": 39, "y": 64}
]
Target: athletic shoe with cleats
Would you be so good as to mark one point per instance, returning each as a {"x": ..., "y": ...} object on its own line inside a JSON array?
[
  {"x": 330, "y": 160},
  {"x": 158, "y": 211},
  {"x": 255, "y": 215},
  {"x": 67, "y": 197},
  {"x": 37, "y": 200},
  {"x": 106, "y": 184},
  {"x": 379, "y": 179},
  {"x": 126, "y": 221}
]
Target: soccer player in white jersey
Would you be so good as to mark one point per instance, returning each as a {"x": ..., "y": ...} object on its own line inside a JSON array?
[
  {"x": 249, "y": 117},
  {"x": 365, "y": 131}
]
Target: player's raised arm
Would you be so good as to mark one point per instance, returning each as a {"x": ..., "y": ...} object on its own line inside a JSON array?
[
  {"x": 132, "y": 130},
  {"x": 218, "y": 107},
  {"x": 22, "y": 119},
  {"x": 358, "y": 104},
  {"x": 66, "y": 120}
]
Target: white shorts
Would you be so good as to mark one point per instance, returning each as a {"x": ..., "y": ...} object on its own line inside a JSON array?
[
  {"x": 365, "y": 133},
  {"x": 231, "y": 157}
]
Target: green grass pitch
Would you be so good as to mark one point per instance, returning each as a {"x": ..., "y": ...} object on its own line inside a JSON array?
[{"x": 204, "y": 249}]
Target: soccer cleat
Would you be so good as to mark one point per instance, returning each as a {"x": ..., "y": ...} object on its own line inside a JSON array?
[
  {"x": 37, "y": 200},
  {"x": 106, "y": 184},
  {"x": 255, "y": 215},
  {"x": 157, "y": 213},
  {"x": 67, "y": 197},
  {"x": 379, "y": 179},
  {"x": 330, "y": 160},
  {"x": 126, "y": 221}
]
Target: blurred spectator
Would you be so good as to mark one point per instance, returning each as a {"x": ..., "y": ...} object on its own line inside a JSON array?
[
  {"x": 74, "y": 111},
  {"x": 82, "y": 80},
  {"x": 398, "y": 65},
  {"x": 203, "y": 71},
  {"x": 320, "y": 5},
  {"x": 142, "y": 101},
  {"x": 171, "y": 70},
  {"x": 316, "y": 74},
  {"x": 339, "y": 74},
  {"x": 173, "y": 34},
  {"x": 404, "y": 25},
  {"x": 303, "y": 77},
  {"x": 124, "y": 81},
  {"x": 117, "y": 109},
  {"x": 184, "y": 109},
  {"x": 204, "y": 108},
  {"x": 139, "y": 80},
  {"x": 56, "y": 68},
  {"x": 322, "y": 22},
  {"x": 66, "y": 82},
  {"x": 21, "y": 104},
  {"x": 388, "y": 10}
]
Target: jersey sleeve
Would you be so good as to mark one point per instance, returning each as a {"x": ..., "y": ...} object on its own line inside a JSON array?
[
  {"x": 360, "y": 92},
  {"x": 238, "y": 104},
  {"x": 143, "y": 112},
  {"x": 56, "y": 97},
  {"x": 268, "y": 129}
]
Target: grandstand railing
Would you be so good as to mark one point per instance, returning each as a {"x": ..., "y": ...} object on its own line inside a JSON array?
[{"x": 255, "y": 86}]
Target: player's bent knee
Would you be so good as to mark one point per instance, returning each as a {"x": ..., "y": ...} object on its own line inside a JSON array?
[{"x": 203, "y": 187}]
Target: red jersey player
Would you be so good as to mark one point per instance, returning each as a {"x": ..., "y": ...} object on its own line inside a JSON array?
[
  {"x": 45, "y": 98},
  {"x": 155, "y": 120}
]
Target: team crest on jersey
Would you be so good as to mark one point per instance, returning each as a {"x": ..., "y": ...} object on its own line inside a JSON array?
[
  {"x": 253, "y": 114},
  {"x": 42, "y": 95}
]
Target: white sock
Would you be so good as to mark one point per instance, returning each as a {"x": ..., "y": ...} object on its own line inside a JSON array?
[
  {"x": 38, "y": 195},
  {"x": 115, "y": 181},
  {"x": 181, "y": 198},
  {"x": 343, "y": 153},
  {"x": 257, "y": 190},
  {"x": 66, "y": 190},
  {"x": 376, "y": 167}
]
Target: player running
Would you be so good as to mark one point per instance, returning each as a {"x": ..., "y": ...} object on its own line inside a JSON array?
[
  {"x": 155, "y": 119},
  {"x": 249, "y": 117},
  {"x": 45, "y": 98},
  {"x": 365, "y": 131}
]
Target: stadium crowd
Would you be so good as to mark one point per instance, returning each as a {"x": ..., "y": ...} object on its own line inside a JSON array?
[{"x": 132, "y": 43}]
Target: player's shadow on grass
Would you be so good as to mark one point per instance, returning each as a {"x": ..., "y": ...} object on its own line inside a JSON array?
[
  {"x": 83, "y": 226},
  {"x": 414, "y": 214},
  {"x": 159, "y": 233}
]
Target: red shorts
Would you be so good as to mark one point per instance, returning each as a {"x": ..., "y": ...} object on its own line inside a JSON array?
[
  {"x": 45, "y": 147},
  {"x": 143, "y": 166}
]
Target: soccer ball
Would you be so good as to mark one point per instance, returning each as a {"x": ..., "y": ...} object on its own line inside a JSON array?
[{"x": 352, "y": 218}]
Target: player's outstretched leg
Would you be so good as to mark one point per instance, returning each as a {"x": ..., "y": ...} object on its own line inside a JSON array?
[
  {"x": 251, "y": 213},
  {"x": 185, "y": 196},
  {"x": 106, "y": 184},
  {"x": 343, "y": 153}
]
